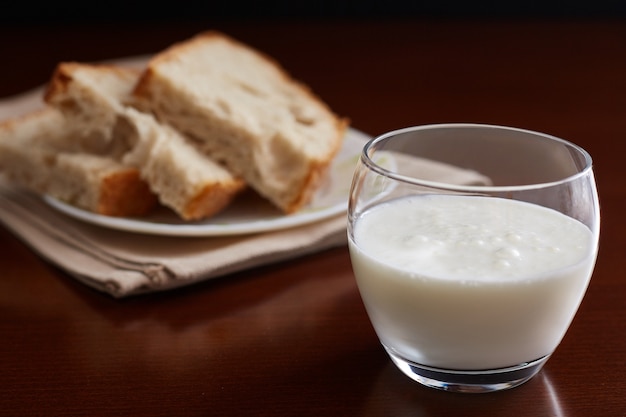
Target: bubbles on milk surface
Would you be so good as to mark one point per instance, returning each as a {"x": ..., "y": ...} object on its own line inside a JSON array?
[{"x": 471, "y": 238}]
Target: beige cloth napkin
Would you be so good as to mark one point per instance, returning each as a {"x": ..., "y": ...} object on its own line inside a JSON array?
[{"x": 123, "y": 263}]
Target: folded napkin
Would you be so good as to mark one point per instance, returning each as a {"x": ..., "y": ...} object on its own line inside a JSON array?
[{"x": 123, "y": 263}]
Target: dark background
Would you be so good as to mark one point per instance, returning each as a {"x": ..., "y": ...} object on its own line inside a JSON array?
[
  {"x": 35, "y": 36},
  {"x": 24, "y": 12}
]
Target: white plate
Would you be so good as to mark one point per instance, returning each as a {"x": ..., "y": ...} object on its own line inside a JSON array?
[{"x": 248, "y": 214}]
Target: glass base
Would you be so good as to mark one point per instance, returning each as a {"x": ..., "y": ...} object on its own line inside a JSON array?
[{"x": 480, "y": 381}]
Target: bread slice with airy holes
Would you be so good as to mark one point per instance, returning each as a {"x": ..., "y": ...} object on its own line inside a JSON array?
[
  {"x": 38, "y": 152},
  {"x": 185, "y": 179},
  {"x": 97, "y": 98},
  {"x": 247, "y": 112},
  {"x": 92, "y": 96}
]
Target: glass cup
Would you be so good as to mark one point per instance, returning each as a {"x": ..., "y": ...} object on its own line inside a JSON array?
[{"x": 472, "y": 247}]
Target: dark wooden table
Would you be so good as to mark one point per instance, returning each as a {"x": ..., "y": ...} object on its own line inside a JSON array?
[{"x": 293, "y": 338}]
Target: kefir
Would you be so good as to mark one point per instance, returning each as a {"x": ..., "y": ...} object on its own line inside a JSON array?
[{"x": 470, "y": 283}]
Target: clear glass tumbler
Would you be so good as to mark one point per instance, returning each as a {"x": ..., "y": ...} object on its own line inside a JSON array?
[{"x": 472, "y": 247}]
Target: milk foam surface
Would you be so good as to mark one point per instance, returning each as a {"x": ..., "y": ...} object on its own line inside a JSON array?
[{"x": 470, "y": 282}]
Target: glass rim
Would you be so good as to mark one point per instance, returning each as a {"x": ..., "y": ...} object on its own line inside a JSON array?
[{"x": 365, "y": 157}]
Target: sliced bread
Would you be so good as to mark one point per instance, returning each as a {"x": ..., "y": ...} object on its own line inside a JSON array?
[
  {"x": 184, "y": 178},
  {"x": 247, "y": 112},
  {"x": 92, "y": 96},
  {"x": 97, "y": 98},
  {"x": 35, "y": 153}
]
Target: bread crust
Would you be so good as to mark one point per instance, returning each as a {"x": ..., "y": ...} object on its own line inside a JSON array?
[
  {"x": 65, "y": 72},
  {"x": 124, "y": 193},
  {"x": 211, "y": 199}
]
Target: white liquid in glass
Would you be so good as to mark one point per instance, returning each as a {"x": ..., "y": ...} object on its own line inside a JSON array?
[{"x": 460, "y": 282}]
